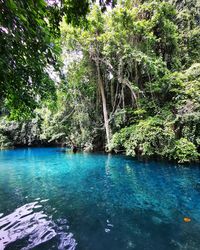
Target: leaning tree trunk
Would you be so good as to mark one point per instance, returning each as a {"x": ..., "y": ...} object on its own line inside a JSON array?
[{"x": 103, "y": 97}]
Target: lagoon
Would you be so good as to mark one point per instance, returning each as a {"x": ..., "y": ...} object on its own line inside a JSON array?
[{"x": 55, "y": 200}]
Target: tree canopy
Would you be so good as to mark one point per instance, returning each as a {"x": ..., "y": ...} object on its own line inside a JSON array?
[{"x": 29, "y": 45}]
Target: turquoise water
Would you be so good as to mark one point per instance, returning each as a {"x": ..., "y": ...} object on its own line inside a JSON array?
[{"x": 55, "y": 200}]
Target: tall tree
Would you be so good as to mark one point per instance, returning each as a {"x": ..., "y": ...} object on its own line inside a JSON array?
[{"x": 28, "y": 31}]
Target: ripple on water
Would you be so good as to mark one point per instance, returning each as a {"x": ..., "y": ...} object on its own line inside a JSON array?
[{"x": 27, "y": 222}]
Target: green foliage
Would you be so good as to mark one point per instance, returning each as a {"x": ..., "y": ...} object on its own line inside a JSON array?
[
  {"x": 159, "y": 136},
  {"x": 29, "y": 45},
  {"x": 152, "y": 137},
  {"x": 185, "y": 151},
  {"x": 71, "y": 121},
  {"x": 75, "y": 11},
  {"x": 187, "y": 104},
  {"x": 189, "y": 32},
  {"x": 26, "y": 50},
  {"x": 136, "y": 64},
  {"x": 149, "y": 137},
  {"x": 152, "y": 100}
]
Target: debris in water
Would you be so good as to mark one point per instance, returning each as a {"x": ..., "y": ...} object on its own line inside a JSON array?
[{"x": 186, "y": 219}]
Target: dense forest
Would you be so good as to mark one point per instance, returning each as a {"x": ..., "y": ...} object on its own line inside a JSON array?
[{"x": 119, "y": 76}]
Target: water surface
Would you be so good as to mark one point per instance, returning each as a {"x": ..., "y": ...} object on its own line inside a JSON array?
[{"x": 55, "y": 200}]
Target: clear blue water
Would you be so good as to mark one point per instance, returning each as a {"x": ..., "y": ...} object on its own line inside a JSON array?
[{"x": 55, "y": 200}]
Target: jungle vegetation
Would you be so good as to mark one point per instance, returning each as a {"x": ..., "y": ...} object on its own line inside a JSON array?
[{"x": 119, "y": 76}]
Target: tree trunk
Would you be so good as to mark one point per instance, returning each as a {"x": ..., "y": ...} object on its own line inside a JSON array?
[{"x": 103, "y": 97}]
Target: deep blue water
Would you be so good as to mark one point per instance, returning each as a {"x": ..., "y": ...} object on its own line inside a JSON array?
[{"x": 55, "y": 200}]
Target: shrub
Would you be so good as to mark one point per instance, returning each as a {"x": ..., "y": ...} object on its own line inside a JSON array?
[
  {"x": 185, "y": 151},
  {"x": 149, "y": 137}
]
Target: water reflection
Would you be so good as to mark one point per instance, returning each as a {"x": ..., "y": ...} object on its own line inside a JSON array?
[{"x": 29, "y": 222}]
